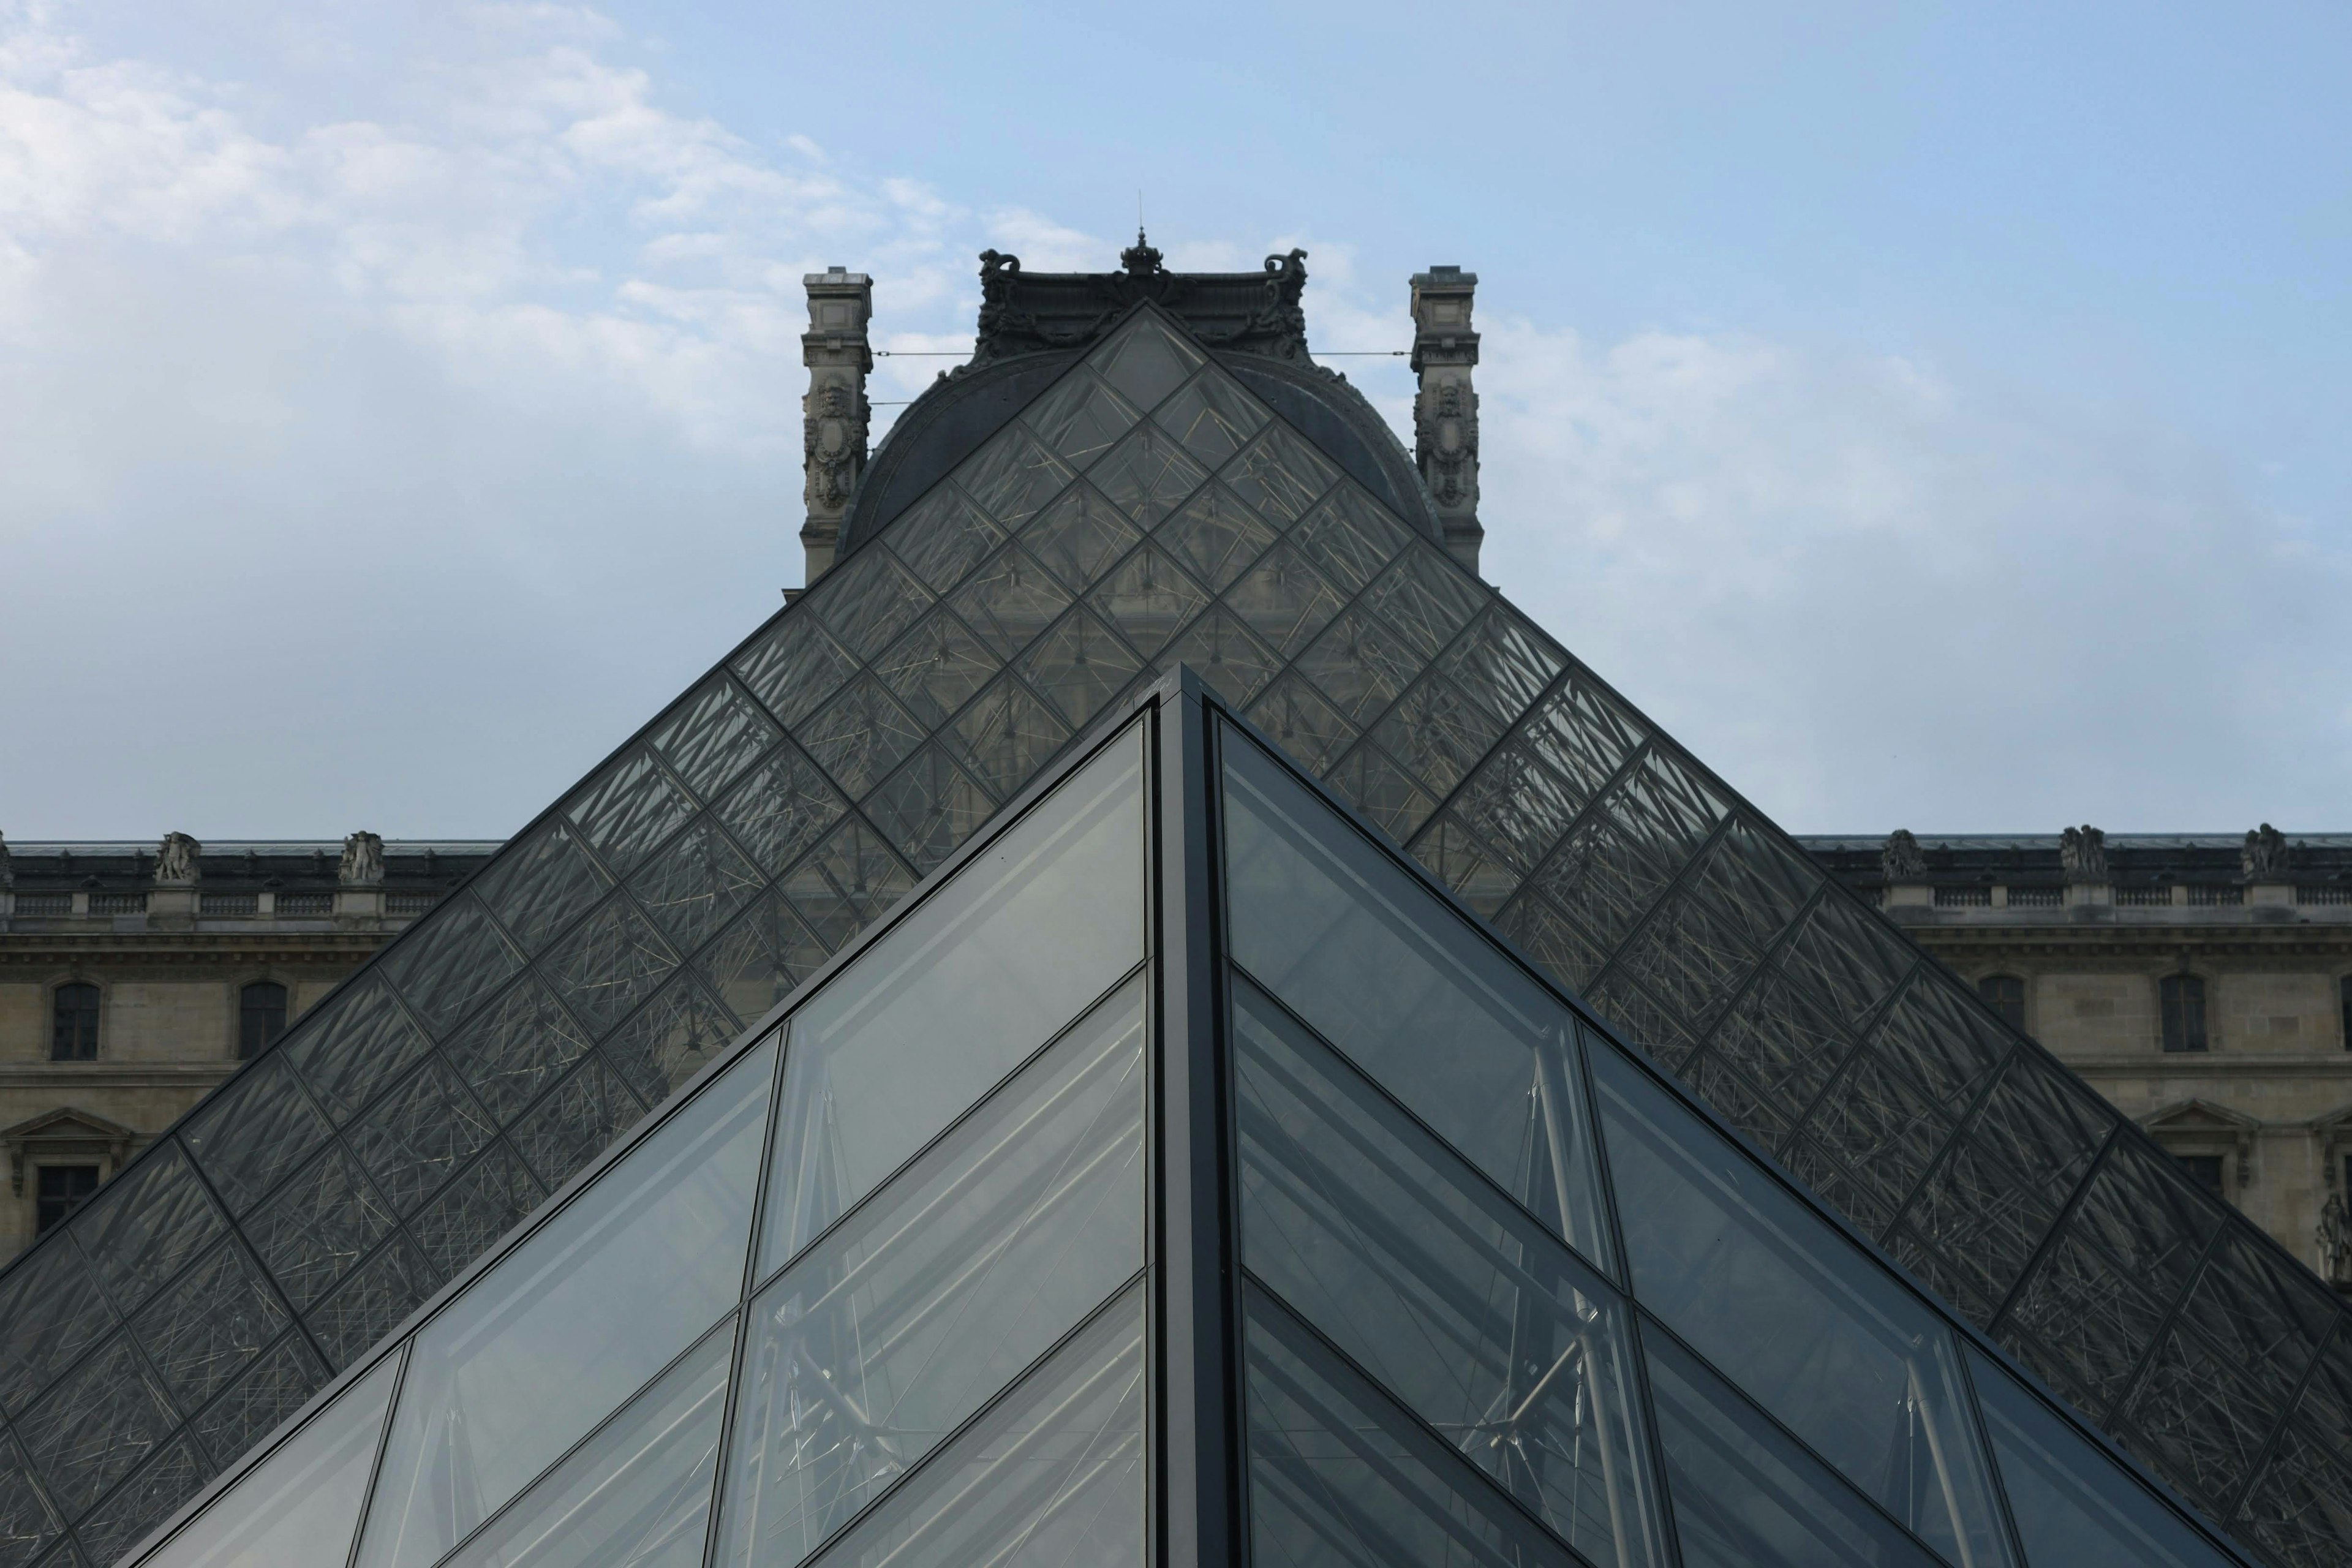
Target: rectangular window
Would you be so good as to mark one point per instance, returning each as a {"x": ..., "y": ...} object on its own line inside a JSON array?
[
  {"x": 73, "y": 1023},
  {"x": 2181, "y": 1000},
  {"x": 2205, "y": 1170},
  {"x": 2005, "y": 994},
  {"x": 62, "y": 1189},
  {"x": 260, "y": 1017}
]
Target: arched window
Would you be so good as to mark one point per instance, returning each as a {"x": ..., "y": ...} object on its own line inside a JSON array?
[
  {"x": 260, "y": 1017},
  {"x": 2180, "y": 1000},
  {"x": 73, "y": 1023},
  {"x": 2005, "y": 994}
]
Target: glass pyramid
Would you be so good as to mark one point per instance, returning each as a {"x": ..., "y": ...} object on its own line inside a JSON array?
[
  {"x": 1181, "y": 1178},
  {"x": 1145, "y": 511}
]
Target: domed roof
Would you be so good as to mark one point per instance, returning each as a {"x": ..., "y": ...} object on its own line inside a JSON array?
[{"x": 1033, "y": 326}]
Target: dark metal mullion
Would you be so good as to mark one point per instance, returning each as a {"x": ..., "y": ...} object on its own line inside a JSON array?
[
  {"x": 1198, "y": 1472},
  {"x": 724, "y": 1450},
  {"x": 1652, "y": 1324},
  {"x": 2269, "y": 1448}
]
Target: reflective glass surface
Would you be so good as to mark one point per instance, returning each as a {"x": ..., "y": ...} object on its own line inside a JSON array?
[
  {"x": 1339, "y": 1474},
  {"x": 1453, "y": 1297},
  {"x": 1052, "y": 1474},
  {"x": 301, "y": 1504},
  {"x": 934, "y": 1293},
  {"x": 1409, "y": 994},
  {"x": 1001, "y": 957},
  {"x": 636, "y": 1494},
  {"x": 572, "y": 1322},
  {"x": 1745, "y": 1494},
  {"x": 2074, "y": 1506},
  {"x": 1804, "y": 1323}
]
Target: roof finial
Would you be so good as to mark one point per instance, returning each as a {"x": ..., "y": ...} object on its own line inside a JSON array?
[{"x": 1140, "y": 259}]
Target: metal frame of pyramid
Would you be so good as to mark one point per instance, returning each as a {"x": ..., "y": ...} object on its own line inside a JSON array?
[
  {"x": 1158, "y": 1273},
  {"x": 1144, "y": 512}
]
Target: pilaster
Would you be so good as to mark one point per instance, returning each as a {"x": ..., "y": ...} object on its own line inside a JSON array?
[
  {"x": 834, "y": 414},
  {"x": 1445, "y": 409}
]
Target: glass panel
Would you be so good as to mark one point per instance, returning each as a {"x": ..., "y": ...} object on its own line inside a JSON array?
[
  {"x": 1148, "y": 475},
  {"x": 27, "y": 1524},
  {"x": 869, "y": 600},
  {"x": 1309, "y": 731},
  {"x": 1080, "y": 417},
  {"x": 1809, "y": 1326},
  {"x": 1456, "y": 1299},
  {"x": 753, "y": 966},
  {"x": 1428, "y": 598},
  {"x": 610, "y": 963},
  {"x": 1147, "y": 598},
  {"x": 570, "y": 1323},
  {"x": 1280, "y": 475},
  {"x": 1222, "y": 652},
  {"x": 1504, "y": 663},
  {"x": 714, "y": 736},
  {"x": 141, "y": 1228},
  {"x": 483, "y": 1204},
  {"x": 1361, "y": 665},
  {"x": 1408, "y": 992},
  {"x": 1145, "y": 361},
  {"x": 783, "y": 808},
  {"x": 915, "y": 1032},
  {"x": 795, "y": 666},
  {"x": 636, "y": 1495},
  {"x": 1350, "y": 537},
  {"x": 576, "y": 1121},
  {"x": 367, "y": 1306},
  {"x": 943, "y": 536},
  {"x": 861, "y": 736},
  {"x": 457, "y": 956},
  {"x": 1437, "y": 733},
  {"x": 300, "y": 1504},
  {"x": 1080, "y": 535},
  {"x": 1216, "y": 536},
  {"x": 1009, "y": 601},
  {"x": 362, "y": 1039},
  {"x": 1745, "y": 1496},
  {"x": 201, "y": 1332},
  {"x": 936, "y": 667},
  {"x": 1012, "y": 476},
  {"x": 851, "y": 879},
  {"x": 417, "y": 1135},
  {"x": 272, "y": 1389},
  {"x": 319, "y": 1225},
  {"x": 1212, "y": 416},
  {"x": 1080, "y": 666},
  {"x": 515, "y": 1047},
  {"x": 99, "y": 1421},
  {"x": 1051, "y": 1476},
  {"x": 1283, "y": 599},
  {"x": 695, "y": 883},
  {"x": 929, "y": 807},
  {"x": 54, "y": 1308},
  {"x": 681, "y": 1031},
  {"x": 630, "y": 807},
  {"x": 2073, "y": 1507},
  {"x": 1338, "y": 1476},
  {"x": 907, "y": 1317},
  {"x": 1006, "y": 736}
]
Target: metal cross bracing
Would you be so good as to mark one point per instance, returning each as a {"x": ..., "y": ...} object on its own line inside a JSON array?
[{"x": 1145, "y": 511}]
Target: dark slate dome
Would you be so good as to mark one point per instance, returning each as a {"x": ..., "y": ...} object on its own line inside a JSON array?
[{"x": 1033, "y": 325}]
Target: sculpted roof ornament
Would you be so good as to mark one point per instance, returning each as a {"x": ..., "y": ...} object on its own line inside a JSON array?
[
  {"x": 362, "y": 862},
  {"x": 1251, "y": 312},
  {"x": 176, "y": 861},
  {"x": 1901, "y": 860},
  {"x": 2265, "y": 856},
  {"x": 2083, "y": 853}
]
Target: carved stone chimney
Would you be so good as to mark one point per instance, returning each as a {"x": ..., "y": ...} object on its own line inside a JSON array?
[
  {"x": 1445, "y": 410},
  {"x": 834, "y": 414}
]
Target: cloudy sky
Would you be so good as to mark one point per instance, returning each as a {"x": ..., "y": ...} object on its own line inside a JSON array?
[{"x": 1936, "y": 415}]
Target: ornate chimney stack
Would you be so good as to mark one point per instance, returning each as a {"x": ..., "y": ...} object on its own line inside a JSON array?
[
  {"x": 1446, "y": 411},
  {"x": 834, "y": 414}
]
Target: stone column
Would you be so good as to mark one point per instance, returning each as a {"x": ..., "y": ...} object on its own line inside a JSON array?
[
  {"x": 1445, "y": 410},
  {"x": 834, "y": 414}
]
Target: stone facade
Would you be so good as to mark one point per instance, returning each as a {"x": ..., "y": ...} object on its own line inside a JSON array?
[
  {"x": 2092, "y": 926},
  {"x": 1445, "y": 404},
  {"x": 169, "y": 936},
  {"x": 835, "y": 413}
]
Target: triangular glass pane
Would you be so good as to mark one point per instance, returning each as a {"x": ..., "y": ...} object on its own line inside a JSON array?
[
  {"x": 911, "y": 1036},
  {"x": 2074, "y": 1506},
  {"x": 695, "y": 883},
  {"x": 1802, "y": 1321},
  {"x": 634, "y": 1495},
  {"x": 539, "y": 886},
  {"x": 867, "y": 600},
  {"x": 516, "y": 1047},
  {"x": 752, "y": 965},
  {"x": 1302, "y": 721},
  {"x": 935, "y": 668},
  {"x": 1285, "y": 600},
  {"x": 301, "y": 1504},
  {"x": 928, "y": 808},
  {"x": 1006, "y": 735},
  {"x": 1409, "y": 993},
  {"x": 570, "y": 1323},
  {"x": 862, "y": 735},
  {"x": 1361, "y": 664},
  {"x": 933, "y": 1294},
  {"x": 783, "y": 808},
  {"x": 629, "y": 808},
  {"x": 794, "y": 667},
  {"x": 1340, "y": 1478},
  {"x": 1013, "y": 477},
  {"x": 714, "y": 736},
  {"x": 1009, "y": 601},
  {"x": 1049, "y": 1477},
  {"x": 1145, "y": 361},
  {"x": 1351, "y": 538},
  {"x": 1456, "y": 1299},
  {"x": 1221, "y": 651},
  {"x": 943, "y": 536},
  {"x": 1280, "y": 475}
]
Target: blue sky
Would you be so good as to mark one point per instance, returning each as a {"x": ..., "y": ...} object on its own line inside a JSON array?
[{"x": 1933, "y": 416}]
